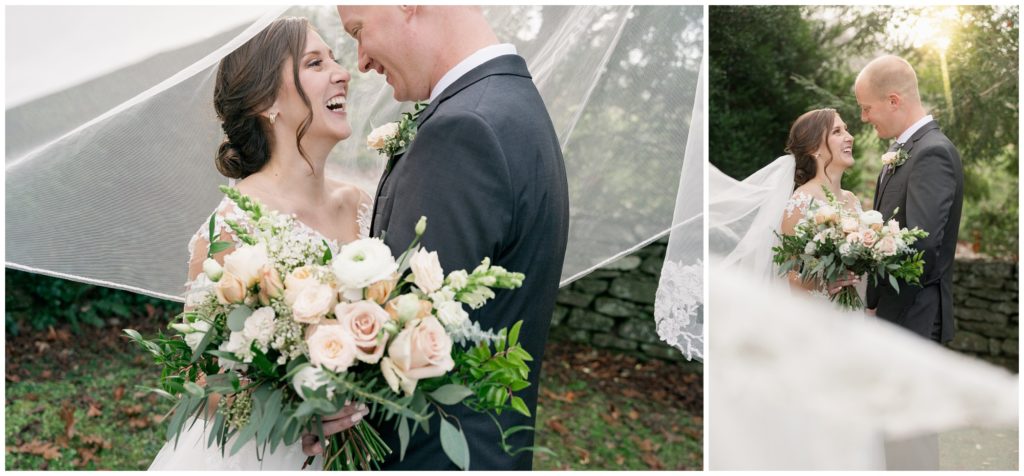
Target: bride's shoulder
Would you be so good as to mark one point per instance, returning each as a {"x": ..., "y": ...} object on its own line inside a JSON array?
[
  {"x": 800, "y": 200},
  {"x": 347, "y": 195}
]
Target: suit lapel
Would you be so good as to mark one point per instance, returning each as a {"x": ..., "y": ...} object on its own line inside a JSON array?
[
  {"x": 883, "y": 182},
  {"x": 505, "y": 64}
]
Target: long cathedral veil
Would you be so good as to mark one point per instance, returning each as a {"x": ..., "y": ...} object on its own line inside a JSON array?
[{"x": 107, "y": 180}]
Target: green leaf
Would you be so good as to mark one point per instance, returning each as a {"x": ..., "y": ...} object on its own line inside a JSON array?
[
  {"x": 133, "y": 334},
  {"x": 520, "y": 406},
  {"x": 403, "y": 437},
  {"x": 194, "y": 389},
  {"x": 218, "y": 246},
  {"x": 223, "y": 383},
  {"x": 895, "y": 285},
  {"x": 450, "y": 394},
  {"x": 237, "y": 317},
  {"x": 513, "y": 335},
  {"x": 213, "y": 224},
  {"x": 453, "y": 441},
  {"x": 328, "y": 256},
  {"x": 203, "y": 344},
  {"x": 161, "y": 392}
]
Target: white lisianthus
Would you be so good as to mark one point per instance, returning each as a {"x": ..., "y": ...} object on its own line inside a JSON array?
[
  {"x": 212, "y": 269},
  {"x": 363, "y": 262},
  {"x": 810, "y": 248},
  {"x": 196, "y": 334},
  {"x": 380, "y": 135},
  {"x": 246, "y": 263},
  {"x": 452, "y": 315},
  {"x": 872, "y": 219},
  {"x": 313, "y": 378},
  {"x": 458, "y": 279},
  {"x": 844, "y": 249},
  {"x": 332, "y": 347},
  {"x": 313, "y": 303},
  {"x": 259, "y": 326},
  {"x": 426, "y": 269}
]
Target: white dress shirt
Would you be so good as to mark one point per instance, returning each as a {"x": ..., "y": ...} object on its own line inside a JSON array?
[
  {"x": 905, "y": 136},
  {"x": 481, "y": 56}
]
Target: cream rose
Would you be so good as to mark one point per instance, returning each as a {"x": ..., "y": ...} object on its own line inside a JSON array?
[
  {"x": 364, "y": 320},
  {"x": 313, "y": 303},
  {"x": 422, "y": 350},
  {"x": 271, "y": 286},
  {"x": 825, "y": 214},
  {"x": 230, "y": 289},
  {"x": 381, "y": 134},
  {"x": 363, "y": 262},
  {"x": 297, "y": 280},
  {"x": 378, "y": 292},
  {"x": 894, "y": 227},
  {"x": 855, "y": 237},
  {"x": 889, "y": 157},
  {"x": 849, "y": 224},
  {"x": 872, "y": 219},
  {"x": 886, "y": 246},
  {"x": 332, "y": 347},
  {"x": 396, "y": 378},
  {"x": 426, "y": 270},
  {"x": 313, "y": 378},
  {"x": 246, "y": 263}
]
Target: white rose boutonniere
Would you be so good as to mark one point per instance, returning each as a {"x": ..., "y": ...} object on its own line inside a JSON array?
[
  {"x": 895, "y": 159},
  {"x": 393, "y": 138}
]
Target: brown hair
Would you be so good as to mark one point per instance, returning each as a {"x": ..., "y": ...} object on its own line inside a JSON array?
[
  {"x": 248, "y": 80},
  {"x": 805, "y": 137}
]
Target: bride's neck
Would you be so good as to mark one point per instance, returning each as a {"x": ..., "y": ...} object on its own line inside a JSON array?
[
  {"x": 833, "y": 182},
  {"x": 289, "y": 170}
]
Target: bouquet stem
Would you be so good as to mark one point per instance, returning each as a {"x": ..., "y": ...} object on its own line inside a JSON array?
[
  {"x": 359, "y": 448},
  {"x": 849, "y": 299}
]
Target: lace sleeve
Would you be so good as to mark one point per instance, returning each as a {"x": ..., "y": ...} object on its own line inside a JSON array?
[
  {"x": 200, "y": 241},
  {"x": 677, "y": 306},
  {"x": 799, "y": 201}
]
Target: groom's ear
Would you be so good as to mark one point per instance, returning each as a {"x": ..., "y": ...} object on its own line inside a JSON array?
[{"x": 894, "y": 100}]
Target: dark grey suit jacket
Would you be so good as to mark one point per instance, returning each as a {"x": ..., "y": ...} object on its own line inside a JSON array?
[
  {"x": 929, "y": 192},
  {"x": 486, "y": 170}
]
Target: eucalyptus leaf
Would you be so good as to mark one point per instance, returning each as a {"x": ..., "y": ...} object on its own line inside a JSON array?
[
  {"x": 451, "y": 394},
  {"x": 203, "y": 344},
  {"x": 453, "y": 442},
  {"x": 237, "y": 317},
  {"x": 403, "y": 437},
  {"x": 194, "y": 389}
]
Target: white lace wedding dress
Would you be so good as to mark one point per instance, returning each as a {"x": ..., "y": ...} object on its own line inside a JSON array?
[{"x": 191, "y": 451}]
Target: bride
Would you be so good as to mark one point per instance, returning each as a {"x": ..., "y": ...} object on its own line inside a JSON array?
[{"x": 281, "y": 99}]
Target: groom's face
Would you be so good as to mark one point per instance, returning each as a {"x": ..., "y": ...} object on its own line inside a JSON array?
[
  {"x": 877, "y": 110},
  {"x": 388, "y": 46}
]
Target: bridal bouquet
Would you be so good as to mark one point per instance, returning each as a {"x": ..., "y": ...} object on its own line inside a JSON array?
[
  {"x": 286, "y": 334},
  {"x": 830, "y": 241}
]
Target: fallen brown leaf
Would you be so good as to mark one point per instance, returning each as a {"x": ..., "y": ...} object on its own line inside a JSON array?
[
  {"x": 46, "y": 374},
  {"x": 96, "y": 441},
  {"x": 620, "y": 460},
  {"x": 119, "y": 393},
  {"x": 85, "y": 456},
  {"x": 94, "y": 411},
  {"x": 41, "y": 346},
  {"x": 138, "y": 423},
  {"x": 45, "y": 449},
  {"x": 633, "y": 414},
  {"x": 584, "y": 454},
  {"x": 67, "y": 414},
  {"x": 652, "y": 461},
  {"x": 557, "y": 426},
  {"x": 132, "y": 410}
]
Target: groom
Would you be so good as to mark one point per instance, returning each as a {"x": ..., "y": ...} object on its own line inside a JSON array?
[
  {"x": 486, "y": 170},
  {"x": 927, "y": 190}
]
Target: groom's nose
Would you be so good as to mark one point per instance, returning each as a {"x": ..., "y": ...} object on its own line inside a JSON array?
[{"x": 364, "y": 60}]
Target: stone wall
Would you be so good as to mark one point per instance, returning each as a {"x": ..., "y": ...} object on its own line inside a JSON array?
[
  {"x": 985, "y": 297},
  {"x": 613, "y": 307}
]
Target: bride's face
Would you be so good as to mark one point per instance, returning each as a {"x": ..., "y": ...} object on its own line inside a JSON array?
[
  {"x": 838, "y": 145},
  {"x": 325, "y": 83}
]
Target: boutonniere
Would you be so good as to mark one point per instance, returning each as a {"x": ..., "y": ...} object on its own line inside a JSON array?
[
  {"x": 895, "y": 159},
  {"x": 393, "y": 138}
]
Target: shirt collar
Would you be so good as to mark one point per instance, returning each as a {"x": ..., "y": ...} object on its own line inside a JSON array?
[
  {"x": 905, "y": 136},
  {"x": 481, "y": 56}
]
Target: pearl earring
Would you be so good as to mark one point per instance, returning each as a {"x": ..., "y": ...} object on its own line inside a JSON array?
[{"x": 273, "y": 117}]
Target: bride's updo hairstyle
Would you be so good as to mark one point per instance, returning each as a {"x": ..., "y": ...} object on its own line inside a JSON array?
[
  {"x": 248, "y": 80},
  {"x": 805, "y": 137}
]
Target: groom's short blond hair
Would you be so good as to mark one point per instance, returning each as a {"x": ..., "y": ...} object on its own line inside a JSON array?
[{"x": 890, "y": 74}]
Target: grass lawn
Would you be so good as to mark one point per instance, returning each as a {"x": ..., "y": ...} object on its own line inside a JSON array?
[{"x": 71, "y": 403}]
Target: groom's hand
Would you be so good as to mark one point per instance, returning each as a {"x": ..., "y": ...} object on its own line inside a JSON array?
[
  {"x": 870, "y": 312},
  {"x": 341, "y": 421}
]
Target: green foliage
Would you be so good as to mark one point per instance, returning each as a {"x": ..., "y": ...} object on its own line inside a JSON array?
[{"x": 36, "y": 301}]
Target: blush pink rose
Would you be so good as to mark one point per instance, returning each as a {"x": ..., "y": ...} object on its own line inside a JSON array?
[
  {"x": 869, "y": 237},
  {"x": 422, "y": 350},
  {"x": 364, "y": 320}
]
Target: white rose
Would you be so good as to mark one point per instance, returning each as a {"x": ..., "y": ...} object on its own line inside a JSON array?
[
  {"x": 849, "y": 224},
  {"x": 888, "y": 158},
  {"x": 297, "y": 280},
  {"x": 246, "y": 263},
  {"x": 332, "y": 347},
  {"x": 871, "y": 219},
  {"x": 396, "y": 378},
  {"x": 426, "y": 269},
  {"x": 198, "y": 332},
  {"x": 452, "y": 315},
  {"x": 259, "y": 326},
  {"x": 313, "y": 303},
  {"x": 458, "y": 279},
  {"x": 212, "y": 269},
  {"x": 825, "y": 214},
  {"x": 810, "y": 248},
  {"x": 363, "y": 262},
  {"x": 844, "y": 249},
  {"x": 381, "y": 134},
  {"x": 313, "y": 378}
]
